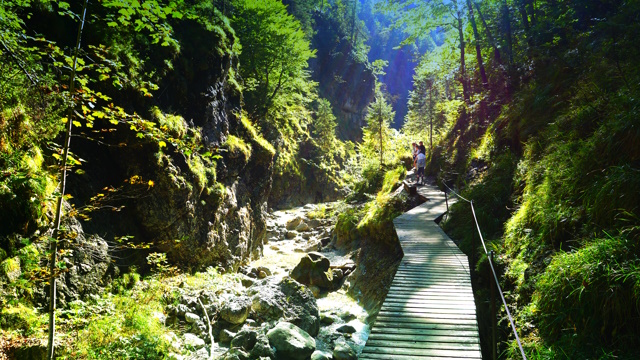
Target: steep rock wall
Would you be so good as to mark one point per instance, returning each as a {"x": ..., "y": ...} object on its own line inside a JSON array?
[
  {"x": 346, "y": 81},
  {"x": 202, "y": 210}
]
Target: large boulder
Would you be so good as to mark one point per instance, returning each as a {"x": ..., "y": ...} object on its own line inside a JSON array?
[
  {"x": 293, "y": 223},
  {"x": 343, "y": 351},
  {"x": 313, "y": 269},
  {"x": 291, "y": 342},
  {"x": 255, "y": 343},
  {"x": 235, "y": 310},
  {"x": 288, "y": 299}
]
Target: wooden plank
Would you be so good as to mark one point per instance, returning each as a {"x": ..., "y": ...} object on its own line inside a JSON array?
[
  {"x": 425, "y": 345},
  {"x": 430, "y": 310},
  {"x": 428, "y": 315},
  {"x": 431, "y": 287},
  {"x": 432, "y": 303},
  {"x": 404, "y": 357},
  {"x": 386, "y": 323},
  {"x": 465, "y": 354},
  {"x": 432, "y": 278},
  {"x": 473, "y": 334},
  {"x": 425, "y": 320}
]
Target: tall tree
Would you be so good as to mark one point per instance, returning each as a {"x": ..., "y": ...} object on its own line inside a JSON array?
[
  {"x": 325, "y": 126},
  {"x": 63, "y": 182},
  {"x": 275, "y": 51},
  {"x": 476, "y": 37},
  {"x": 418, "y": 20},
  {"x": 379, "y": 117}
]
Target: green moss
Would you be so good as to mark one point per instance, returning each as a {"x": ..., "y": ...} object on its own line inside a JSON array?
[
  {"x": 238, "y": 147},
  {"x": 21, "y": 318},
  {"x": 392, "y": 179},
  {"x": 197, "y": 167},
  {"x": 10, "y": 267},
  {"x": 216, "y": 194},
  {"x": 174, "y": 125},
  {"x": 255, "y": 136}
]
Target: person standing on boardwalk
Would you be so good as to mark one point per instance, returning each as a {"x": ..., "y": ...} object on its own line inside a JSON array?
[
  {"x": 422, "y": 149},
  {"x": 421, "y": 162},
  {"x": 414, "y": 153}
]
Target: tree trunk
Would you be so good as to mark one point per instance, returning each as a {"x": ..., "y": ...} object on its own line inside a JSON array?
[
  {"x": 492, "y": 41},
  {"x": 381, "y": 123},
  {"x": 63, "y": 183},
  {"x": 463, "y": 75},
  {"x": 430, "y": 120},
  {"x": 483, "y": 74},
  {"x": 353, "y": 22},
  {"x": 506, "y": 23},
  {"x": 532, "y": 12}
]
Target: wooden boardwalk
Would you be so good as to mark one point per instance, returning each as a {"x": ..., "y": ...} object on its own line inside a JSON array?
[{"x": 429, "y": 312}]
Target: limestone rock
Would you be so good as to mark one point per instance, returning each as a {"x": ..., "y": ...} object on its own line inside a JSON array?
[
  {"x": 293, "y": 223},
  {"x": 327, "y": 319},
  {"x": 191, "y": 318},
  {"x": 346, "y": 329},
  {"x": 343, "y": 351},
  {"x": 321, "y": 355},
  {"x": 235, "y": 310},
  {"x": 226, "y": 336},
  {"x": 272, "y": 300},
  {"x": 191, "y": 340},
  {"x": 313, "y": 269},
  {"x": 236, "y": 354},
  {"x": 245, "y": 339},
  {"x": 291, "y": 342},
  {"x": 302, "y": 227}
]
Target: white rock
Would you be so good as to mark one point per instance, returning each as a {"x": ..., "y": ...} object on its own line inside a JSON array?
[{"x": 193, "y": 341}]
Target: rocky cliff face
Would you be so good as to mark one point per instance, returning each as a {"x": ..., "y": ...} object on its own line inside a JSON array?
[
  {"x": 345, "y": 80},
  {"x": 203, "y": 209}
]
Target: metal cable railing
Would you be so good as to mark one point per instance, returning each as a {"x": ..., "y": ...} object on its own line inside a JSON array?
[{"x": 495, "y": 275}]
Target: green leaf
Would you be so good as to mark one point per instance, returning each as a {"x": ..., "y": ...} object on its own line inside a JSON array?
[{"x": 162, "y": 144}]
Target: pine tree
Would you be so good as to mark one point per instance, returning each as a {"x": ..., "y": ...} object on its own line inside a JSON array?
[{"x": 378, "y": 129}]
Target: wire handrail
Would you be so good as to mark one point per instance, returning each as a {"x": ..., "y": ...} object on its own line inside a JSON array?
[{"x": 493, "y": 270}]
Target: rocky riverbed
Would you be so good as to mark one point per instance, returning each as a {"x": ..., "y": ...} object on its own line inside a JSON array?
[{"x": 292, "y": 303}]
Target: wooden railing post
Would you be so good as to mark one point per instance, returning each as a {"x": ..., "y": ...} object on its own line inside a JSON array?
[
  {"x": 446, "y": 200},
  {"x": 494, "y": 322},
  {"x": 473, "y": 250}
]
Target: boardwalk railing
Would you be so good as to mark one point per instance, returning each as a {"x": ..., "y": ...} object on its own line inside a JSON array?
[{"x": 495, "y": 284}]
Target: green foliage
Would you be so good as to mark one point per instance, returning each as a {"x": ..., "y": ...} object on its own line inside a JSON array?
[
  {"x": 22, "y": 319},
  {"x": 491, "y": 194},
  {"x": 324, "y": 126},
  {"x": 377, "y": 133},
  {"x": 374, "y": 220},
  {"x": 569, "y": 302},
  {"x": 392, "y": 179},
  {"x": 118, "y": 326},
  {"x": 274, "y": 51}
]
